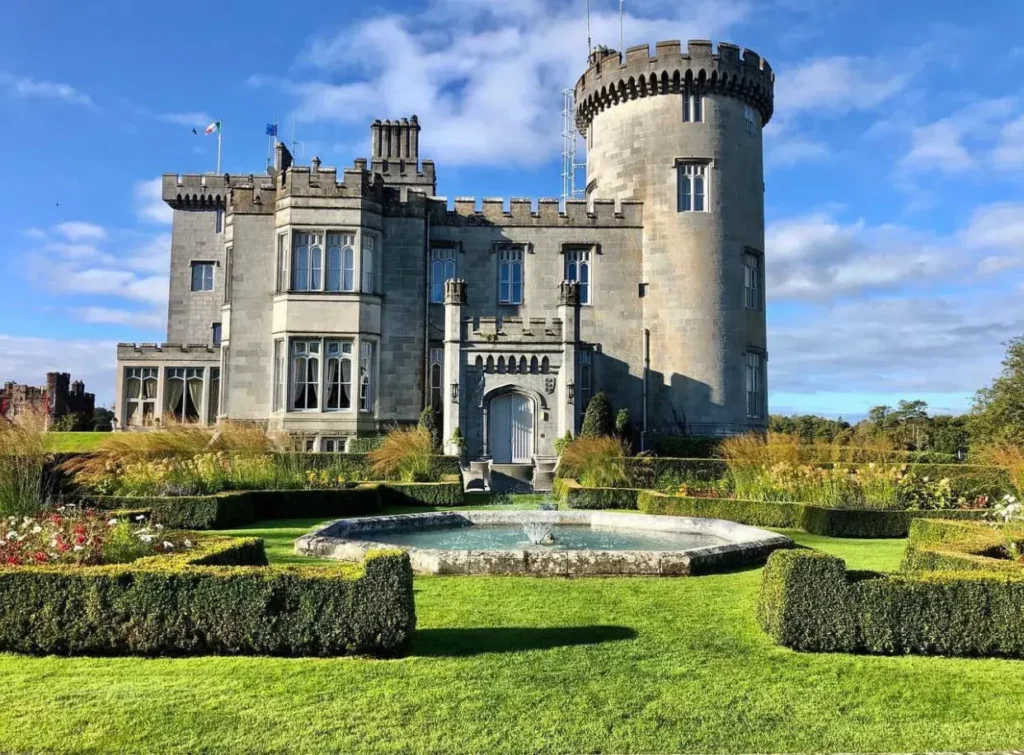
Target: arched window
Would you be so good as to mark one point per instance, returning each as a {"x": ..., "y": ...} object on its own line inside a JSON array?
[
  {"x": 436, "y": 377},
  {"x": 305, "y": 375},
  {"x": 522, "y": 364},
  {"x": 442, "y": 268},
  {"x": 534, "y": 366},
  {"x": 501, "y": 364},
  {"x": 577, "y": 270},
  {"x": 512, "y": 364},
  {"x": 510, "y": 276},
  {"x": 691, "y": 180},
  {"x": 545, "y": 366},
  {"x": 479, "y": 362},
  {"x": 316, "y": 253},
  {"x": 369, "y": 271},
  {"x": 334, "y": 262},
  {"x": 300, "y": 262},
  {"x": 490, "y": 364},
  {"x": 339, "y": 375},
  {"x": 348, "y": 268}
]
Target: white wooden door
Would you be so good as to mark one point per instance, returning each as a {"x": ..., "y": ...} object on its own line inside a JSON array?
[{"x": 511, "y": 429}]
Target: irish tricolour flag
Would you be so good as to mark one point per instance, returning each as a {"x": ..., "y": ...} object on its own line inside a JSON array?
[{"x": 213, "y": 128}]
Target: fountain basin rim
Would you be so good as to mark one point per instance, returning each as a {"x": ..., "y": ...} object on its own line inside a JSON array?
[{"x": 747, "y": 545}]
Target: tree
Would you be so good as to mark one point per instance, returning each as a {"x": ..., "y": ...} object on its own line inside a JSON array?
[
  {"x": 998, "y": 410},
  {"x": 431, "y": 422},
  {"x": 624, "y": 427},
  {"x": 598, "y": 419},
  {"x": 101, "y": 419}
]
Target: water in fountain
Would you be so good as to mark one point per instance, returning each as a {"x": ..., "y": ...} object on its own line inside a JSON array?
[{"x": 539, "y": 533}]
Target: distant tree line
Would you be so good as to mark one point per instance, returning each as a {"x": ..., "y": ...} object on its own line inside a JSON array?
[{"x": 996, "y": 416}]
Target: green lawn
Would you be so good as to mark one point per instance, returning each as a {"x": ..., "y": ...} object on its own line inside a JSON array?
[
  {"x": 525, "y": 665},
  {"x": 70, "y": 442}
]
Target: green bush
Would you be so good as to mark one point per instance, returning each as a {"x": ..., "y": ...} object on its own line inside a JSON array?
[
  {"x": 313, "y": 504},
  {"x": 205, "y": 512},
  {"x": 598, "y": 420},
  {"x": 208, "y": 603},
  {"x": 688, "y": 446},
  {"x": 808, "y": 601},
  {"x": 853, "y": 523},
  {"x": 431, "y": 421},
  {"x": 944, "y": 545},
  {"x": 669, "y": 473},
  {"x": 421, "y": 494},
  {"x": 578, "y": 497},
  {"x": 365, "y": 444}
]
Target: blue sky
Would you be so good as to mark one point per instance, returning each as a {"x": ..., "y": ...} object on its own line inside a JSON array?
[{"x": 895, "y": 198}]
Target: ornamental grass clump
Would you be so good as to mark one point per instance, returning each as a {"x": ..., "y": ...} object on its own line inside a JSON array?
[
  {"x": 595, "y": 462},
  {"x": 22, "y": 458},
  {"x": 406, "y": 454}
]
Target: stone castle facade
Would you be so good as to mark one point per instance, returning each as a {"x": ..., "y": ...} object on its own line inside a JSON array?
[
  {"x": 61, "y": 403},
  {"x": 332, "y": 305}
]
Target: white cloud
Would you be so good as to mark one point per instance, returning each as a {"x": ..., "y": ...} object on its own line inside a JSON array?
[
  {"x": 149, "y": 204},
  {"x": 965, "y": 139},
  {"x": 996, "y": 226},
  {"x": 27, "y": 360},
  {"x": 127, "y": 317},
  {"x": 198, "y": 119},
  {"x": 460, "y": 64},
  {"x": 25, "y": 87},
  {"x": 77, "y": 230},
  {"x": 1009, "y": 152},
  {"x": 836, "y": 85}
]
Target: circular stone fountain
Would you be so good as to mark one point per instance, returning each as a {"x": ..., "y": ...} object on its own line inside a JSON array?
[{"x": 548, "y": 543}]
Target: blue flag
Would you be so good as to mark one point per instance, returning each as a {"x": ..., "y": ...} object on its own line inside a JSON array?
[{"x": 271, "y": 129}]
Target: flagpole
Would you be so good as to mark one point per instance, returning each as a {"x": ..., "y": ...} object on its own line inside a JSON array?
[{"x": 220, "y": 131}]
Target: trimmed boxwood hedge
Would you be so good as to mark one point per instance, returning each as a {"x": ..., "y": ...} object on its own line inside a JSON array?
[
  {"x": 578, "y": 497},
  {"x": 818, "y": 520},
  {"x": 213, "y": 601},
  {"x": 420, "y": 494},
  {"x": 808, "y": 601},
  {"x": 942, "y": 545}
]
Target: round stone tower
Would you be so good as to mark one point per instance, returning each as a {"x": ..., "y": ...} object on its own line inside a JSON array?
[{"x": 681, "y": 131}]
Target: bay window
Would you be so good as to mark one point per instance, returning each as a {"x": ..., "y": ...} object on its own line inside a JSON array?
[
  {"x": 140, "y": 395},
  {"x": 325, "y": 260},
  {"x": 323, "y": 374},
  {"x": 183, "y": 393},
  {"x": 339, "y": 375},
  {"x": 305, "y": 391}
]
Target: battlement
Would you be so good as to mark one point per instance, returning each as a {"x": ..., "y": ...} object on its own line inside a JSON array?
[
  {"x": 520, "y": 211},
  {"x": 168, "y": 352},
  {"x": 500, "y": 330},
  {"x": 207, "y": 190},
  {"x": 612, "y": 77}
]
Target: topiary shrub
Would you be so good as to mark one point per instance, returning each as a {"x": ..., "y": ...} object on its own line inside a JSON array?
[
  {"x": 598, "y": 420},
  {"x": 624, "y": 427},
  {"x": 430, "y": 421}
]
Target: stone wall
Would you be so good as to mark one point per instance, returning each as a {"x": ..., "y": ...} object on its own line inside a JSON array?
[{"x": 61, "y": 403}]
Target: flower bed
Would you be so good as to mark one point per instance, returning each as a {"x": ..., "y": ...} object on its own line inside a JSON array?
[
  {"x": 218, "y": 598},
  {"x": 83, "y": 537},
  {"x": 809, "y": 601},
  {"x": 818, "y": 520}
]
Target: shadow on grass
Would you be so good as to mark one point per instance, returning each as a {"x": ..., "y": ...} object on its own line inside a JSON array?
[{"x": 459, "y": 643}]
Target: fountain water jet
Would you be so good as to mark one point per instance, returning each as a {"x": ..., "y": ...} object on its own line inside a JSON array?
[{"x": 538, "y": 533}]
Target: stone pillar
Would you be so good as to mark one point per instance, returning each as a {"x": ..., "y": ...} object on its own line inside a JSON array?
[
  {"x": 569, "y": 313},
  {"x": 414, "y": 139},
  {"x": 375, "y": 146},
  {"x": 452, "y": 396}
]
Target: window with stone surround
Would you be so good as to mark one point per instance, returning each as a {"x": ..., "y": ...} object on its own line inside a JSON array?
[
  {"x": 202, "y": 276},
  {"x": 755, "y": 384},
  {"x": 692, "y": 185},
  {"x": 578, "y": 270},
  {"x": 749, "y": 120},
  {"x": 183, "y": 393},
  {"x": 332, "y": 445},
  {"x": 368, "y": 264},
  {"x": 442, "y": 268},
  {"x": 305, "y": 375},
  {"x": 693, "y": 103},
  {"x": 140, "y": 389},
  {"x": 339, "y": 375},
  {"x": 751, "y": 280},
  {"x": 215, "y": 335},
  {"x": 510, "y": 275},
  {"x": 367, "y": 352},
  {"x": 436, "y": 377},
  {"x": 307, "y": 260}
]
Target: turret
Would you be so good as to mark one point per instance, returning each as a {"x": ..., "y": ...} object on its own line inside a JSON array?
[{"x": 681, "y": 132}]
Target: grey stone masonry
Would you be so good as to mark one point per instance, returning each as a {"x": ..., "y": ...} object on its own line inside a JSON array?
[{"x": 345, "y": 300}]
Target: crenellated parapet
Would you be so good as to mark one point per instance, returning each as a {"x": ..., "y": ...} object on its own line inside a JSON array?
[
  {"x": 498, "y": 330},
  {"x": 168, "y": 352},
  {"x": 545, "y": 213},
  {"x": 204, "y": 190},
  {"x": 612, "y": 78}
]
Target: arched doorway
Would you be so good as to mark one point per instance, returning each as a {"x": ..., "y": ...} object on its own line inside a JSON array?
[{"x": 510, "y": 429}]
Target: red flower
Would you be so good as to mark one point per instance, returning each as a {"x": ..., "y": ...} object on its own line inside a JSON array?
[{"x": 39, "y": 556}]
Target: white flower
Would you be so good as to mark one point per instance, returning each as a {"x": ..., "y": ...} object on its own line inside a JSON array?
[
  {"x": 188, "y": 543},
  {"x": 140, "y": 518},
  {"x": 158, "y": 526},
  {"x": 12, "y": 535},
  {"x": 36, "y": 530},
  {"x": 168, "y": 545},
  {"x": 78, "y": 548},
  {"x": 111, "y": 522},
  {"x": 146, "y": 538}
]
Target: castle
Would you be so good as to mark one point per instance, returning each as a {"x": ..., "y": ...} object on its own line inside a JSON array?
[
  {"x": 60, "y": 399},
  {"x": 334, "y": 305}
]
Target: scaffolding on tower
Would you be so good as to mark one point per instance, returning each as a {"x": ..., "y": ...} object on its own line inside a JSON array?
[{"x": 569, "y": 138}]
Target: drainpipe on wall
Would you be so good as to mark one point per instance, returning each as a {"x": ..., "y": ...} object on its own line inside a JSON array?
[
  {"x": 647, "y": 367},
  {"x": 426, "y": 312}
]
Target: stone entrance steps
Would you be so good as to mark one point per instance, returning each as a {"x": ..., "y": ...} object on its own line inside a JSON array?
[{"x": 511, "y": 478}]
